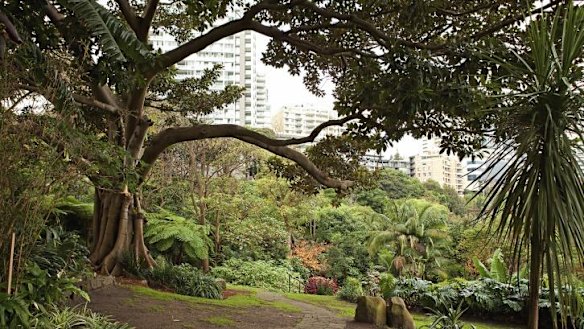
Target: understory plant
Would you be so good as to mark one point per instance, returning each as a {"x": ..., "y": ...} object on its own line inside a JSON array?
[
  {"x": 445, "y": 316},
  {"x": 65, "y": 318},
  {"x": 262, "y": 274},
  {"x": 55, "y": 265},
  {"x": 183, "y": 279},
  {"x": 351, "y": 290},
  {"x": 178, "y": 238},
  {"x": 318, "y": 285}
]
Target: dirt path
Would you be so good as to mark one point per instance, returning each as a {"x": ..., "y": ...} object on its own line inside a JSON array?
[
  {"x": 147, "y": 312},
  {"x": 313, "y": 316}
]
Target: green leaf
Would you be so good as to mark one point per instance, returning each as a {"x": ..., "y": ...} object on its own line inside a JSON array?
[
  {"x": 117, "y": 41},
  {"x": 483, "y": 271}
]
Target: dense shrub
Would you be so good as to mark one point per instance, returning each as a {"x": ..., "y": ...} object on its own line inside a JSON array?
[
  {"x": 318, "y": 285},
  {"x": 351, "y": 290},
  {"x": 184, "y": 279},
  {"x": 53, "y": 267},
  {"x": 482, "y": 296},
  {"x": 261, "y": 274}
]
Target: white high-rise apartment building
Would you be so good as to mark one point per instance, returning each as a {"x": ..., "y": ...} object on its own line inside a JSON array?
[
  {"x": 239, "y": 57},
  {"x": 300, "y": 121},
  {"x": 447, "y": 170}
]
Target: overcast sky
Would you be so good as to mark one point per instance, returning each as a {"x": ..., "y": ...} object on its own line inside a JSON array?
[{"x": 285, "y": 89}]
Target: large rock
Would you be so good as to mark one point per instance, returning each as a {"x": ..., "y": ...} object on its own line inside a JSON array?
[
  {"x": 371, "y": 310},
  {"x": 398, "y": 316}
]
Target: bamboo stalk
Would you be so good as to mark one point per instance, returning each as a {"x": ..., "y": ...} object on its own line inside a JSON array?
[{"x": 11, "y": 263}]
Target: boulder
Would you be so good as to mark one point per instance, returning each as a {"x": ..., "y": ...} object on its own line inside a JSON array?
[
  {"x": 398, "y": 316},
  {"x": 371, "y": 310}
]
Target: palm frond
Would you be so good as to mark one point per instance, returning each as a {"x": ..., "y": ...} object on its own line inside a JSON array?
[
  {"x": 116, "y": 40},
  {"x": 537, "y": 199}
]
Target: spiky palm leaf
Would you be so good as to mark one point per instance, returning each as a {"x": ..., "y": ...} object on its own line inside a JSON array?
[
  {"x": 116, "y": 40},
  {"x": 411, "y": 233},
  {"x": 537, "y": 199}
]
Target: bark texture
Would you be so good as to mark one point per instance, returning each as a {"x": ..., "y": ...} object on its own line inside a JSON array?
[
  {"x": 118, "y": 231},
  {"x": 534, "y": 283}
]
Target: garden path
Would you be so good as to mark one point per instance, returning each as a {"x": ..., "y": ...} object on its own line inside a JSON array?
[{"x": 313, "y": 316}]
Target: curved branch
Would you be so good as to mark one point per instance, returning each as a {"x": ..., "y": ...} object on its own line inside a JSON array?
[
  {"x": 176, "y": 135},
  {"x": 129, "y": 15},
  {"x": 513, "y": 19},
  {"x": 146, "y": 20},
  {"x": 197, "y": 44},
  {"x": 314, "y": 133},
  {"x": 10, "y": 28},
  {"x": 54, "y": 15}
]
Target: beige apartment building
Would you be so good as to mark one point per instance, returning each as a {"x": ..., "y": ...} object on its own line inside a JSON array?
[
  {"x": 300, "y": 120},
  {"x": 447, "y": 170}
]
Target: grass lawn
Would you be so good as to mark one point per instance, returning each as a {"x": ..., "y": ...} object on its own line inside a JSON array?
[
  {"x": 248, "y": 299},
  {"x": 237, "y": 301}
]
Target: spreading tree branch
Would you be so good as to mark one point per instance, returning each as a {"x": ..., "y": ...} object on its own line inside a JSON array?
[
  {"x": 513, "y": 19},
  {"x": 197, "y": 44},
  {"x": 10, "y": 28},
  {"x": 280, "y": 35},
  {"x": 129, "y": 15},
  {"x": 146, "y": 20},
  {"x": 171, "y": 136}
]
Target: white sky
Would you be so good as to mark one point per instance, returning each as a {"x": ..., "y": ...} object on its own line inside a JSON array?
[{"x": 285, "y": 89}]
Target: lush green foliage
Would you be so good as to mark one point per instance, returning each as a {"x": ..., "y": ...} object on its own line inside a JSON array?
[
  {"x": 261, "y": 274},
  {"x": 416, "y": 236},
  {"x": 14, "y": 311},
  {"x": 483, "y": 297},
  {"x": 351, "y": 290},
  {"x": 55, "y": 265},
  {"x": 184, "y": 279},
  {"x": 177, "y": 237}
]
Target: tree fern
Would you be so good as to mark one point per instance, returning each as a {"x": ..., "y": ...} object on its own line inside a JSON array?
[{"x": 172, "y": 235}]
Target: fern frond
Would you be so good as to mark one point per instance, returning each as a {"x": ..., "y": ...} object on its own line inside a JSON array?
[{"x": 164, "y": 245}]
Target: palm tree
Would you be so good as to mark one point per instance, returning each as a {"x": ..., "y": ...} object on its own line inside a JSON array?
[
  {"x": 537, "y": 199},
  {"x": 415, "y": 235}
]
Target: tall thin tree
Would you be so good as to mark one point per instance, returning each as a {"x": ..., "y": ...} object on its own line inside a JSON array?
[{"x": 537, "y": 199}]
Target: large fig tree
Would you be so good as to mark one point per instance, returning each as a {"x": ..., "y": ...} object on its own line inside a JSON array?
[{"x": 399, "y": 67}]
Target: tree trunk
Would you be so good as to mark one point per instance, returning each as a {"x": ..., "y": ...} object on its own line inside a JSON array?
[
  {"x": 118, "y": 231},
  {"x": 534, "y": 283},
  {"x": 217, "y": 236}
]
